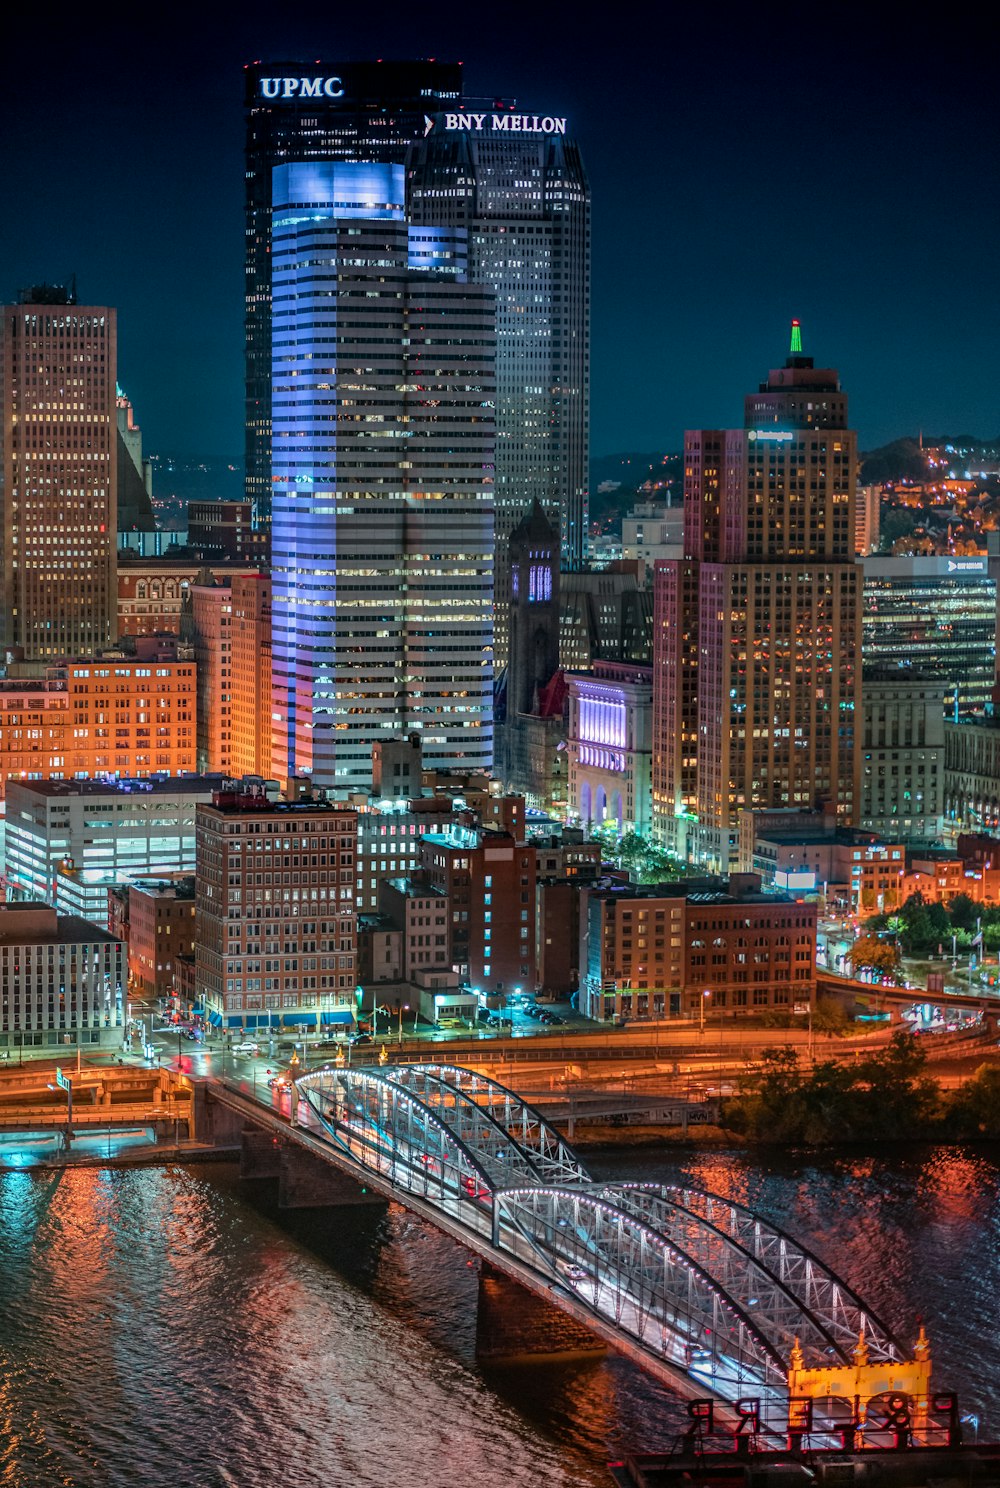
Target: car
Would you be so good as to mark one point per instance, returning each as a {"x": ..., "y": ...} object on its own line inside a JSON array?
[
  {"x": 248, "y": 1048},
  {"x": 360, "y": 1039},
  {"x": 555, "y": 1018},
  {"x": 278, "y": 1082}
]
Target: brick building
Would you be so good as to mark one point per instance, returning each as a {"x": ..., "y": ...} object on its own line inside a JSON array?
[
  {"x": 276, "y": 921},
  {"x": 489, "y": 879},
  {"x": 695, "y": 949},
  {"x": 161, "y": 925}
]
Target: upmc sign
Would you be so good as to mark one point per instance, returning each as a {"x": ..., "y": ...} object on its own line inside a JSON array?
[{"x": 301, "y": 87}]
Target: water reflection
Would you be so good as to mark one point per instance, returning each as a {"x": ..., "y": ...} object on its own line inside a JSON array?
[{"x": 166, "y": 1325}]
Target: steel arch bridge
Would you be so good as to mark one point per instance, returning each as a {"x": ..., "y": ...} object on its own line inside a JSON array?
[{"x": 700, "y": 1284}]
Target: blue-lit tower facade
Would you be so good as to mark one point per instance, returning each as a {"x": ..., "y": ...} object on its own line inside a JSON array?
[{"x": 383, "y": 435}]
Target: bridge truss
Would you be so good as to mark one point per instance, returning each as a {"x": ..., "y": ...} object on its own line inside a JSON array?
[{"x": 699, "y": 1283}]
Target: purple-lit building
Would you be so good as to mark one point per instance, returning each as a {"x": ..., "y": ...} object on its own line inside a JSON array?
[{"x": 610, "y": 746}]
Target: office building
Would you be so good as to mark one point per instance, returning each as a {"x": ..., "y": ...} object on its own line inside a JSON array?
[
  {"x": 59, "y": 482},
  {"x": 152, "y": 590},
  {"x": 68, "y": 842},
  {"x": 516, "y": 184},
  {"x": 134, "y": 501},
  {"x": 206, "y": 626},
  {"x": 605, "y": 615},
  {"x": 707, "y": 951},
  {"x": 113, "y": 715},
  {"x": 972, "y": 775},
  {"x": 652, "y": 530},
  {"x": 276, "y": 921},
  {"x": 489, "y": 880},
  {"x": 383, "y": 440},
  {"x": 224, "y": 529},
  {"x": 766, "y": 605},
  {"x": 250, "y": 653},
  {"x": 807, "y": 852},
  {"x": 609, "y": 744},
  {"x": 161, "y": 927},
  {"x": 367, "y": 111},
  {"x": 902, "y": 754},
  {"x": 937, "y": 614},
  {"x": 63, "y": 982}
]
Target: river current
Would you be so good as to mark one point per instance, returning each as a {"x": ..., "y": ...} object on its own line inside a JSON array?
[{"x": 166, "y": 1326}]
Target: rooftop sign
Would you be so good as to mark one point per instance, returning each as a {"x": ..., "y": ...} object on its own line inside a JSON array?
[
  {"x": 497, "y": 123},
  {"x": 301, "y": 87}
]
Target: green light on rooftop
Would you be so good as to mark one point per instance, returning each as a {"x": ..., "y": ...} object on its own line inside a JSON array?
[{"x": 796, "y": 347}]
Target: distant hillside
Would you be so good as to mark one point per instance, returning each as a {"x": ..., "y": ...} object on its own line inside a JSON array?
[
  {"x": 903, "y": 459},
  {"x": 629, "y": 469}
]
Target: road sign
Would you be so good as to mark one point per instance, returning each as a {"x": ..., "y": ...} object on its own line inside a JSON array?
[{"x": 61, "y": 1080}]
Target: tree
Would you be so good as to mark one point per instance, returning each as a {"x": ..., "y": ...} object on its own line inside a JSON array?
[
  {"x": 974, "y": 1109},
  {"x": 877, "y": 956},
  {"x": 963, "y": 912},
  {"x": 830, "y": 1016}
]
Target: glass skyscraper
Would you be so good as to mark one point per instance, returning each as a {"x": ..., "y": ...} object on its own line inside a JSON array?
[
  {"x": 516, "y": 183},
  {"x": 382, "y": 479},
  {"x": 315, "y": 111}
]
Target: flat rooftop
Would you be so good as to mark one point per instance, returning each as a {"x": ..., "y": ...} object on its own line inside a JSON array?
[{"x": 151, "y": 785}]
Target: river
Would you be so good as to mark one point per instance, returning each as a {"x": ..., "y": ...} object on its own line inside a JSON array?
[{"x": 165, "y": 1326}]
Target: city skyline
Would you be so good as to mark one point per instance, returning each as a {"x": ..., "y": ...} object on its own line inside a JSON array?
[{"x": 733, "y": 188}]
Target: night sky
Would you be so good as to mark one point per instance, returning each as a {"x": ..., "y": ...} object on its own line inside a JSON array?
[{"x": 747, "y": 166}]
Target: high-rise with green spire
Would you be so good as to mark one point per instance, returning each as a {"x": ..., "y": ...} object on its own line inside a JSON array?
[{"x": 757, "y": 630}]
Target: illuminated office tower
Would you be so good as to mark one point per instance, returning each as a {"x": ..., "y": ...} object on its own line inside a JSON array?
[
  {"x": 383, "y": 439},
  {"x": 517, "y": 184},
  {"x": 58, "y": 485},
  {"x": 315, "y": 111},
  {"x": 757, "y": 642}
]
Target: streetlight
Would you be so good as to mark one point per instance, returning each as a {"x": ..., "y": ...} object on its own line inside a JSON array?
[
  {"x": 403, "y": 1008},
  {"x": 701, "y": 1008}
]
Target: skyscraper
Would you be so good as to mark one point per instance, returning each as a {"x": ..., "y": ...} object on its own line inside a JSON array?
[
  {"x": 315, "y": 111},
  {"x": 766, "y": 604},
  {"x": 516, "y": 183},
  {"x": 58, "y": 487},
  {"x": 383, "y": 440}
]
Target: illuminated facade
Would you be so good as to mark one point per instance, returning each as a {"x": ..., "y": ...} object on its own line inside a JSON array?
[
  {"x": 766, "y": 607},
  {"x": 114, "y": 715},
  {"x": 938, "y": 615},
  {"x": 383, "y": 438},
  {"x": 206, "y": 623},
  {"x": 59, "y": 477},
  {"x": 315, "y": 111},
  {"x": 63, "y": 981},
  {"x": 522, "y": 196},
  {"x": 610, "y": 744},
  {"x": 68, "y": 842},
  {"x": 250, "y": 752}
]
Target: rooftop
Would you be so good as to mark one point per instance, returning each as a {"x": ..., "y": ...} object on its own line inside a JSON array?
[
  {"x": 35, "y": 923},
  {"x": 155, "y": 785}
]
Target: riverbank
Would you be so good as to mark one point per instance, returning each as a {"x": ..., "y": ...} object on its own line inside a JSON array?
[{"x": 598, "y": 1136}]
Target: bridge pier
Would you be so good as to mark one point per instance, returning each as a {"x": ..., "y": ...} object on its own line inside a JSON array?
[
  {"x": 514, "y": 1323},
  {"x": 307, "y": 1182},
  {"x": 260, "y": 1154}
]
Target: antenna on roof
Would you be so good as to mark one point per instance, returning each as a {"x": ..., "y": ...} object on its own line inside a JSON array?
[{"x": 796, "y": 347}]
